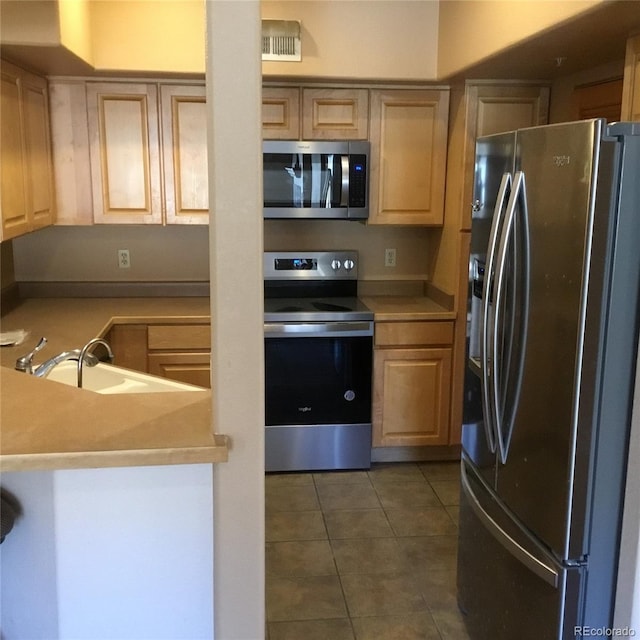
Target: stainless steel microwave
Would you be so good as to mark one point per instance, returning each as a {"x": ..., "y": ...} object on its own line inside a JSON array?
[{"x": 316, "y": 179}]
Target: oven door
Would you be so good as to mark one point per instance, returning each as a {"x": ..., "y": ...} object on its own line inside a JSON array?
[{"x": 318, "y": 395}]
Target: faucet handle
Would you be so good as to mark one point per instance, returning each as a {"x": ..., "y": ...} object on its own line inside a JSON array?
[{"x": 25, "y": 363}]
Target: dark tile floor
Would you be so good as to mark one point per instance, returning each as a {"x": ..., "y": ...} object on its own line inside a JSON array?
[{"x": 363, "y": 555}]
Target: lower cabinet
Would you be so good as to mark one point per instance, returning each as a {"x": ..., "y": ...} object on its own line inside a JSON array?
[
  {"x": 179, "y": 352},
  {"x": 412, "y": 383}
]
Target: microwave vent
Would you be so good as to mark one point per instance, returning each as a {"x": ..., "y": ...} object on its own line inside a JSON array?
[{"x": 281, "y": 40}]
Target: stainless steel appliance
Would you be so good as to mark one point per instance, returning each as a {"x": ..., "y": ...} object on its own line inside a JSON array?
[
  {"x": 316, "y": 179},
  {"x": 318, "y": 362},
  {"x": 554, "y": 271}
]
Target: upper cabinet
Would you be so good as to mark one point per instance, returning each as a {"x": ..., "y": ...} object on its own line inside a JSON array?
[
  {"x": 311, "y": 113},
  {"x": 142, "y": 148},
  {"x": 280, "y": 113},
  {"x": 125, "y": 152},
  {"x": 495, "y": 108},
  {"x": 631, "y": 87},
  {"x": 184, "y": 153},
  {"x": 408, "y": 134},
  {"x": 26, "y": 174},
  {"x": 335, "y": 114}
]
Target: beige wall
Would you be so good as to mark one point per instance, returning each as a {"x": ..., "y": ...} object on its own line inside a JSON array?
[
  {"x": 75, "y": 28},
  {"x": 34, "y": 22},
  {"x": 149, "y": 35},
  {"x": 181, "y": 253},
  {"x": 89, "y": 254},
  {"x": 395, "y": 39},
  {"x": 473, "y": 30}
]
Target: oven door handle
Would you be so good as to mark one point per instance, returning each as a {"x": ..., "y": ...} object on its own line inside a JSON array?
[{"x": 317, "y": 329}]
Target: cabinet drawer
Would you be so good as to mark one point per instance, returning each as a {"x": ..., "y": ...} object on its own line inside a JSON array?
[
  {"x": 394, "y": 334},
  {"x": 178, "y": 336}
]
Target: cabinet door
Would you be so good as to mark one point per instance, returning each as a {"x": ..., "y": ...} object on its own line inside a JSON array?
[
  {"x": 631, "y": 87},
  {"x": 184, "y": 152},
  {"x": 495, "y": 108},
  {"x": 411, "y": 397},
  {"x": 280, "y": 113},
  {"x": 335, "y": 114},
  {"x": 13, "y": 157},
  {"x": 408, "y": 156},
  {"x": 26, "y": 172},
  {"x": 125, "y": 152},
  {"x": 40, "y": 191},
  {"x": 189, "y": 367}
]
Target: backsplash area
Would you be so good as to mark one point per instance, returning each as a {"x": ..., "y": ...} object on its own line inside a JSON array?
[{"x": 181, "y": 253}]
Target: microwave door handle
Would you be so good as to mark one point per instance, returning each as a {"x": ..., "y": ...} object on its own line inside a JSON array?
[{"x": 344, "y": 184}]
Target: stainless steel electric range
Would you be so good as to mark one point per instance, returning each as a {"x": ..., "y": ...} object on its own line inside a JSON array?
[{"x": 318, "y": 362}]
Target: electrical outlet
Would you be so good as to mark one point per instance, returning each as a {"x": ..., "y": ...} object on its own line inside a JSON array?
[
  {"x": 389, "y": 257},
  {"x": 124, "y": 261}
]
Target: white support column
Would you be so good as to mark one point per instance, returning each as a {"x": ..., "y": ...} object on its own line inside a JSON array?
[{"x": 236, "y": 247}]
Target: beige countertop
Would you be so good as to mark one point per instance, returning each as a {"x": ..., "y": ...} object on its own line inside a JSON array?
[
  {"x": 46, "y": 425},
  {"x": 406, "y": 308}
]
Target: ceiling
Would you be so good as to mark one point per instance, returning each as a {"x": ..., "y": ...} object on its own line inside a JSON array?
[{"x": 588, "y": 41}]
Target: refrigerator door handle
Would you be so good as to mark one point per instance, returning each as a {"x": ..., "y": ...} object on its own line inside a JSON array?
[
  {"x": 489, "y": 407},
  {"x": 544, "y": 571},
  {"x": 517, "y": 195}
]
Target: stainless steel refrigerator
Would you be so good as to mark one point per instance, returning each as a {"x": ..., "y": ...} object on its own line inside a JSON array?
[{"x": 555, "y": 279}]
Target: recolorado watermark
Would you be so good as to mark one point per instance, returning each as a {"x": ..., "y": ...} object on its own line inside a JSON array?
[{"x": 604, "y": 632}]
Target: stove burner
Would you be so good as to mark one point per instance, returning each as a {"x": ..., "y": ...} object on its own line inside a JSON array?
[{"x": 328, "y": 306}]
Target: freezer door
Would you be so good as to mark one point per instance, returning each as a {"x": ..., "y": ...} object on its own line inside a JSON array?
[
  {"x": 508, "y": 587},
  {"x": 536, "y": 475}
]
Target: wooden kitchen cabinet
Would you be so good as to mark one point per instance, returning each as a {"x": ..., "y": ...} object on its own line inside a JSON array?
[
  {"x": 495, "y": 108},
  {"x": 335, "y": 114},
  {"x": 280, "y": 113},
  {"x": 125, "y": 152},
  {"x": 412, "y": 383},
  {"x": 408, "y": 133},
  {"x": 26, "y": 174},
  {"x": 631, "y": 86},
  {"x": 184, "y": 153},
  {"x": 180, "y": 352},
  {"x": 130, "y": 152}
]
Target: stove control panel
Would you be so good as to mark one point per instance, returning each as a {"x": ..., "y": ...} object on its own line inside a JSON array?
[{"x": 316, "y": 265}]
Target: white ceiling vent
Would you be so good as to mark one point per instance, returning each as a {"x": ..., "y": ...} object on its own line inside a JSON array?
[{"x": 281, "y": 40}]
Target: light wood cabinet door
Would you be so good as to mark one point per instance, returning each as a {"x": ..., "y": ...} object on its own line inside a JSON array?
[
  {"x": 335, "y": 114},
  {"x": 631, "y": 86},
  {"x": 411, "y": 397},
  {"x": 184, "y": 152},
  {"x": 408, "y": 133},
  {"x": 280, "y": 113},
  {"x": 189, "y": 367},
  {"x": 125, "y": 152},
  {"x": 495, "y": 108},
  {"x": 180, "y": 352},
  {"x": 26, "y": 172}
]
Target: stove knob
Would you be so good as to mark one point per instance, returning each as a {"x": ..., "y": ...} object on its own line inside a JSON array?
[
  {"x": 349, "y": 264},
  {"x": 335, "y": 264}
]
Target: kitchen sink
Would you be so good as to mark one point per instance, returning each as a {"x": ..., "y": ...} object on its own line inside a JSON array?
[{"x": 108, "y": 379}]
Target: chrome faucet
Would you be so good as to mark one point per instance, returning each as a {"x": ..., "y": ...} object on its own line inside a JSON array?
[
  {"x": 84, "y": 355},
  {"x": 25, "y": 363}
]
